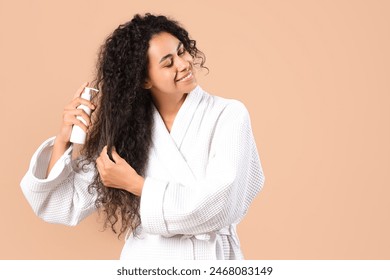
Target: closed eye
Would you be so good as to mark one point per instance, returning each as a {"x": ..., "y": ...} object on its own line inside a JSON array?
[
  {"x": 170, "y": 64},
  {"x": 181, "y": 52}
]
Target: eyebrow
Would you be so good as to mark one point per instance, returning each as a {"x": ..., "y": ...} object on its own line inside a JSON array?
[{"x": 170, "y": 55}]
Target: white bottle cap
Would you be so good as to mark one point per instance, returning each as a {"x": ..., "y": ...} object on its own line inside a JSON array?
[{"x": 87, "y": 93}]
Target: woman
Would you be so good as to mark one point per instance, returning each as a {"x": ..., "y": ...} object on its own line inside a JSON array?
[{"x": 171, "y": 165}]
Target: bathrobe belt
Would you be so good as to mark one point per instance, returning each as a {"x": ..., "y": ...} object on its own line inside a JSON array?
[{"x": 212, "y": 242}]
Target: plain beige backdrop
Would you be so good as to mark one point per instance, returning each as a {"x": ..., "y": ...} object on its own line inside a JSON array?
[{"x": 313, "y": 74}]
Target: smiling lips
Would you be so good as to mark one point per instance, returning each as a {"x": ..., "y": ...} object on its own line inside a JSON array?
[{"x": 186, "y": 77}]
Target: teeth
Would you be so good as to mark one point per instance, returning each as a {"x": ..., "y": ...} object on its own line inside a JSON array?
[{"x": 186, "y": 77}]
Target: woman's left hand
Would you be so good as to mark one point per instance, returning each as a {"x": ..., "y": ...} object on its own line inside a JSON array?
[{"x": 118, "y": 173}]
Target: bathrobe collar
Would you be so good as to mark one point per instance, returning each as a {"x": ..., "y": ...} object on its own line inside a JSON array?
[
  {"x": 168, "y": 144},
  {"x": 184, "y": 115}
]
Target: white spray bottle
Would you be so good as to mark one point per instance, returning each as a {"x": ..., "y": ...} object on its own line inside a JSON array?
[{"x": 78, "y": 135}]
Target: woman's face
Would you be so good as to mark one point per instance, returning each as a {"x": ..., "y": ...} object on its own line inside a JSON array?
[{"x": 170, "y": 67}]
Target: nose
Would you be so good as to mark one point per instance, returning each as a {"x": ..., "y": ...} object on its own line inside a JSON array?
[{"x": 182, "y": 64}]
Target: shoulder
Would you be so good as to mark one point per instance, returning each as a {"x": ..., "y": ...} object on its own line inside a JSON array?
[
  {"x": 225, "y": 106},
  {"x": 233, "y": 110}
]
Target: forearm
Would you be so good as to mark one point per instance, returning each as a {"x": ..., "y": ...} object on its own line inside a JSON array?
[
  {"x": 137, "y": 185},
  {"x": 59, "y": 149}
]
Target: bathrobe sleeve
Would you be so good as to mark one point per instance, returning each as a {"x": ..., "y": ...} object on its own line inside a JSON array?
[
  {"x": 63, "y": 196},
  {"x": 233, "y": 178}
]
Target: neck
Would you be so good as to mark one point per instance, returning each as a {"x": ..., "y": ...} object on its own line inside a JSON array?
[{"x": 168, "y": 106}]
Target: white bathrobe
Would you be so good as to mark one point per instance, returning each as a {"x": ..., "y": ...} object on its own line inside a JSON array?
[{"x": 200, "y": 181}]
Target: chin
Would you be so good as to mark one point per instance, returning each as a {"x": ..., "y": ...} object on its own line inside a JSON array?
[{"x": 189, "y": 86}]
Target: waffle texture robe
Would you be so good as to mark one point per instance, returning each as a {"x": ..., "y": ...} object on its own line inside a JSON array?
[{"x": 200, "y": 181}]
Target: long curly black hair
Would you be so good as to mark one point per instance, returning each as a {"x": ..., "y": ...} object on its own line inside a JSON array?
[{"x": 123, "y": 118}]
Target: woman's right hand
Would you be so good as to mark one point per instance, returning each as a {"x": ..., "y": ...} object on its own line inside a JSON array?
[
  {"x": 70, "y": 114},
  {"x": 69, "y": 118}
]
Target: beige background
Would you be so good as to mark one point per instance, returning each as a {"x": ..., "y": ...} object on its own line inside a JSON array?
[{"x": 313, "y": 74}]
